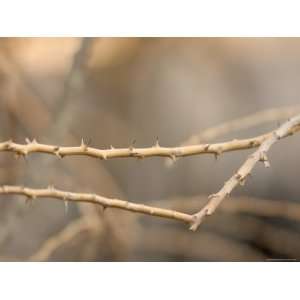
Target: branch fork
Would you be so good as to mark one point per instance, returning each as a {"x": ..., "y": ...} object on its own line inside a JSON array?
[{"x": 263, "y": 142}]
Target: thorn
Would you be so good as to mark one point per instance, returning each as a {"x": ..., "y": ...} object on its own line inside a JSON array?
[
  {"x": 238, "y": 176},
  {"x": 217, "y": 153},
  {"x": 34, "y": 141},
  {"x": 27, "y": 140},
  {"x": 242, "y": 181},
  {"x": 89, "y": 142},
  {"x": 25, "y": 157},
  {"x": 83, "y": 145},
  {"x": 132, "y": 144},
  {"x": 140, "y": 157},
  {"x": 111, "y": 147},
  {"x": 157, "y": 143},
  {"x": 99, "y": 209},
  {"x": 173, "y": 158},
  {"x": 66, "y": 206},
  {"x": 57, "y": 153},
  {"x": 264, "y": 159},
  {"x": 206, "y": 147},
  {"x": 104, "y": 156},
  {"x": 212, "y": 196},
  {"x": 51, "y": 187},
  {"x": 278, "y": 137},
  {"x": 29, "y": 201}
]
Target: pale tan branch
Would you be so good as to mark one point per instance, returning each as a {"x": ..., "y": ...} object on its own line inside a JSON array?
[
  {"x": 253, "y": 120},
  {"x": 92, "y": 222},
  {"x": 52, "y": 192},
  {"x": 264, "y": 142},
  {"x": 244, "y": 171},
  {"x": 156, "y": 150}
]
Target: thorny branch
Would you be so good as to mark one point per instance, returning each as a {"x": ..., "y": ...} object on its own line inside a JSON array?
[
  {"x": 157, "y": 150},
  {"x": 244, "y": 171},
  {"x": 52, "y": 192},
  {"x": 92, "y": 224},
  {"x": 264, "y": 142}
]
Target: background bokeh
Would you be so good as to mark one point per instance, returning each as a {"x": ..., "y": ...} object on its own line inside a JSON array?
[{"x": 111, "y": 91}]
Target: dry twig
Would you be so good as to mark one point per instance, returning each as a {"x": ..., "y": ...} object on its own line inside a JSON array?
[
  {"x": 52, "y": 192},
  {"x": 171, "y": 152},
  {"x": 244, "y": 171},
  {"x": 264, "y": 142}
]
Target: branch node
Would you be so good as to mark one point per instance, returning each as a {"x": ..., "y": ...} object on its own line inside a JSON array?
[
  {"x": 241, "y": 179},
  {"x": 263, "y": 158}
]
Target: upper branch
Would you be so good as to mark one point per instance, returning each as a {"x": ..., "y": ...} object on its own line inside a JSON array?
[
  {"x": 156, "y": 150},
  {"x": 240, "y": 176}
]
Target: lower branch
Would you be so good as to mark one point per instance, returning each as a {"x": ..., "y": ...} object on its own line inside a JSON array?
[
  {"x": 266, "y": 141},
  {"x": 52, "y": 192},
  {"x": 245, "y": 170}
]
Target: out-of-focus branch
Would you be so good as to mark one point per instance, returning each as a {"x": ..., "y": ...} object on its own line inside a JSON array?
[
  {"x": 19, "y": 94},
  {"x": 64, "y": 114},
  {"x": 238, "y": 205},
  {"x": 253, "y": 120},
  {"x": 174, "y": 243},
  {"x": 251, "y": 206},
  {"x": 244, "y": 171},
  {"x": 84, "y": 223}
]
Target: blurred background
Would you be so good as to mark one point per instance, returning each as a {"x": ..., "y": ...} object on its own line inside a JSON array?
[{"x": 112, "y": 91}]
